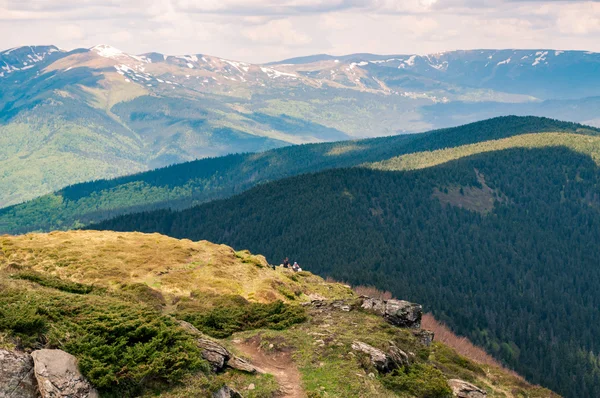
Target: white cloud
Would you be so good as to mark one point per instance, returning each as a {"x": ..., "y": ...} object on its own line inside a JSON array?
[
  {"x": 278, "y": 31},
  {"x": 265, "y": 30}
]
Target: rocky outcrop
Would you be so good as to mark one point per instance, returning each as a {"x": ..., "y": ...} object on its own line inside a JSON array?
[
  {"x": 226, "y": 392},
  {"x": 425, "y": 337},
  {"x": 397, "y": 312},
  {"x": 58, "y": 376},
  {"x": 383, "y": 362},
  {"x": 217, "y": 355},
  {"x": 17, "y": 379},
  {"x": 462, "y": 389}
]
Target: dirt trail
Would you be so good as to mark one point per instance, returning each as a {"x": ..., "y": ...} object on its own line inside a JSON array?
[{"x": 279, "y": 364}]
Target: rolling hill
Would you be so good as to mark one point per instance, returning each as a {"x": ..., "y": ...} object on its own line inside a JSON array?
[
  {"x": 498, "y": 238},
  {"x": 182, "y": 186},
  {"x": 148, "y": 315},
  {"x": 73, "y": 116}
]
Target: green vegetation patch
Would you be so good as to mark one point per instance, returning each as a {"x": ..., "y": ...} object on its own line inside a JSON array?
[
  {"x": 229, "y": 314},
  {"x": 54, "y": 282},
  {"x": 122, "y": 348},
  {"x": 419, "y": 380}
]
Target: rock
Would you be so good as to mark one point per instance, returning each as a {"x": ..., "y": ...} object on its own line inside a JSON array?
[
  {"x": 397, "y": 312},
  {"x": 462, "y": 389},
  {"x": 424, "y": 336},
  {"x": 188, "y": 327},
  {"x": 217, "y": 355},
  {"x": 58, "y": 376},
  {"x": 226, "y": 392},
  {"x": 251, "y": 387},
  {"x": 17, "y": 379},
  {"x": 213, "y": 352},
  {"x": 243, "y": 365},
  {"x": 399, "y": 357},
  {"x": 383, "y": 362}
]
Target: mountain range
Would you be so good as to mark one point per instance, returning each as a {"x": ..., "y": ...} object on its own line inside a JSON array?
[
  {"x": 185, "y": 185},
  {"x": 493, "y": 225},
  {"x": 85, "y": 114}
]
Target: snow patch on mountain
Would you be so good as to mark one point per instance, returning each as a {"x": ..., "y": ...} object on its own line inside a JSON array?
[
  {"x": 505, "y": 62},
  {"x": 272, "y": 73},
  {"x": 24, "y": 58},
  {"x": 541, "y": 56},
  {"x": 106, "y": 51},
  {"x": 411, "y": 61}
]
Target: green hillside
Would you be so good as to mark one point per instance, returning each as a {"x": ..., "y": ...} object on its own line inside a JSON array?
[
  {"x": 184, "y": 185},
  {"x": 499, "y": 239},
  {"x": 116, "y": 301}
]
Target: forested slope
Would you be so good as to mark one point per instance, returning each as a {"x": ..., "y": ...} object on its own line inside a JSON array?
[
  {"x": 501, "y": 245},
  {"x": 184, "y": 185}
]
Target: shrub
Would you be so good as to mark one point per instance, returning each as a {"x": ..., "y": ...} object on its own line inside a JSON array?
[
  {"x": 419, "y": 380},
  {"x": 122, "y": 347},
  {"x": 54, "y": 282},
  {"x": 232, "y": 314}
]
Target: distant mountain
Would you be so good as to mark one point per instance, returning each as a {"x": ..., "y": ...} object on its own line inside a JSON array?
[
  {"x": 72, "y": 116},
  {"x": 499, "y": 237},
  {"x": 185, "y": 185}
]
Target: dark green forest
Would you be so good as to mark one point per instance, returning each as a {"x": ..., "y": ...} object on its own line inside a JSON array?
[
  {"x": 520, "y": 278},
  {"x": 185, "y": 185}
]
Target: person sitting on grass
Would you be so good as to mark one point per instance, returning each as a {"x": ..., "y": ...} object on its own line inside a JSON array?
[{"x": 296, "y": 267}]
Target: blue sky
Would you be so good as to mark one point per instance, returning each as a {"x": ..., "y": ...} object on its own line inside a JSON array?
[{"x": 267, "y": 30}]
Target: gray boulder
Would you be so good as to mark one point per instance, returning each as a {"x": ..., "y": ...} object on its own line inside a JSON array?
[
  {"x": 217, "y": 355},
  {"x": 424, "y": 336},
  {"x": 397, "y": 312},
  {"x": 17, "y": 378},
  {"x": 462, "y": 389},
  {"x": 58, "y": 376},
  {"x": 226, "y": 392},
  {"x": 383, "y": 362}
]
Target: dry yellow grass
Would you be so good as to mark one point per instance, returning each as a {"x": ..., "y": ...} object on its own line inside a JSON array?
[{"x": 173, "y": 267}]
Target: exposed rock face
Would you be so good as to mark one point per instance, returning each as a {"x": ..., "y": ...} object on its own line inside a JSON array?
[
  {"x": 397, "y": 312},
  {"x": 462, "y": 389},
  {"x": 17, "y": 378},
  {"x": 397, "y": 356},
  {"x": 217, "y": 355},
  {"x": 226, "y": 392},
  {"x": 214, "y": 353},
  {"x": 58, "y": 376},
  {"x": 424, "y": 336},
  {"x": 383, "y": 362}
]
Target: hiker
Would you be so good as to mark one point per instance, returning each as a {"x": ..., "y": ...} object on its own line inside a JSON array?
[
  {"x": 286, "y": 263},
  {"x": 296, "y": 267}
]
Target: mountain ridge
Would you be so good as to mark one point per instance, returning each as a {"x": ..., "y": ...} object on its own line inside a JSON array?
[
  {"x": 153, "y": 110},
  {"x": 488, "y": 234},
  {"x": 148, "y": 315},
  {"x": 184, "y": 185}
]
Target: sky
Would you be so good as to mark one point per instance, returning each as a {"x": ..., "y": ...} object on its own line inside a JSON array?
[{"x": 270, "y": 30}]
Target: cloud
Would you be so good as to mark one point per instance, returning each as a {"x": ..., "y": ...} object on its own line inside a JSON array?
[
  {"x": 279, "y": 31},
  {"x": 266, "y": 30}
]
